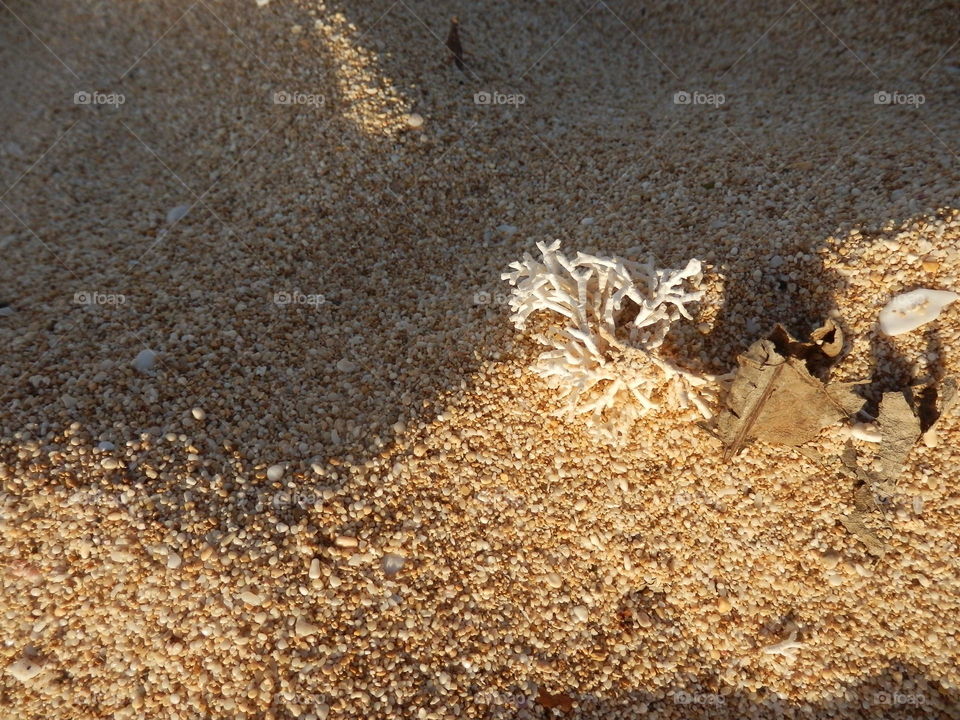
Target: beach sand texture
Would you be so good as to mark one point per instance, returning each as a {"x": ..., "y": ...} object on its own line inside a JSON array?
[{"x": 333, "y": 488}]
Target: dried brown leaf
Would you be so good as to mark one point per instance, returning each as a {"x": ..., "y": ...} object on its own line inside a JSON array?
[
  {"x": 775, "y": 399},
  {"x": 900, "y": 430},
  {"x": 855, "y": 525}
]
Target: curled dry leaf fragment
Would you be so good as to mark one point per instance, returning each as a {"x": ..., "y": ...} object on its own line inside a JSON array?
[{"x": 820, "y": 353}]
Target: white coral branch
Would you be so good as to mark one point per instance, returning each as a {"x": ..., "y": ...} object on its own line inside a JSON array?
[
  {"x": 611, "y": 380},
  {"x": 787, "y": 648}
]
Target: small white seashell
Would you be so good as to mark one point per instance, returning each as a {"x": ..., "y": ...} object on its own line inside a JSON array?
[{"x": 910, "y": 310}]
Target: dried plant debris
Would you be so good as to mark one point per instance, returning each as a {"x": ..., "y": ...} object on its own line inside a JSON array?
[
  {"x": 865, "y": 504},
  {"x": 900, "y": 429},
  {"x": 821, "y": 352},
  {"x": 560, "y": 702},
  {"x": 775, "y": 397},
  {"x": 453, "y": 42},
  {"x": 854, "y": 523},
  {"x": 931, "y": 410}
]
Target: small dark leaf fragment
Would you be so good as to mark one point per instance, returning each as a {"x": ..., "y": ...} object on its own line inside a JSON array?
[{"x": 453, "y": 42}]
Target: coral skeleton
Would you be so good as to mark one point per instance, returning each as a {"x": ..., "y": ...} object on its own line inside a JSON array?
[
  {"x": 787, "y": 648},
  {"x": 616, "y": 314}
]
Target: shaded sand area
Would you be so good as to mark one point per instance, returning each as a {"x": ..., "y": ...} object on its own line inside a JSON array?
[{"x": 331, "y": 487}]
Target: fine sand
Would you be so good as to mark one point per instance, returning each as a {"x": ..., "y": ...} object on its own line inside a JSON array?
[{"x": 331, "y": 487}]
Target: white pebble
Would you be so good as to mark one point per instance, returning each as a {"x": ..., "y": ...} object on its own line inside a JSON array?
[
  {"x": 178, "y": 213},
  {"x": 275, "y": 472},
  {"x": 25, "y": 669},
  {"x": 109, "y": 463},
  {"x": 144, "y": 360},
  {"x": 868, "y": 432},
  {"x": 198, "y": 413},
  {"x": 251, "y": 598},
  {"x": 344, "y": 365},
  {"x": 304, "y": 628},
  {"x": 314, "y": 569},
  {"x": 580, "y": 613},
  {"x": 173, "y": 561},
  {"x": 392, "y": 563},
  {"x": 414, "y": 120}
]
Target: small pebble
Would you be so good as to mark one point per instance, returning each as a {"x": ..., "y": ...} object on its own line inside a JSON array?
[
  {"x": 251, "y": 598},
  {"x": 830, "y": 559},
  {"x": 109, "y": 463},
  {"x": 178, "y": 213},
  {"x": 144, "y": 361},
  {"x": 392, "y": 563},
  {"x": 314, "y": 569},
  {"x": 198, "y": 413},
  {"x": 414, "y": 121},
  {"x": 344, "y": 365},
  {"x": 25, "y": 669},
  {"x": 580, "y": 613},
  {"x": 275, "y": 472},
  {"x": 554, "y": 580},
  {"x": 345, "y": 541},
  {"x": 173, "y": 561},
  {"x": 303, "y": 628}
]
